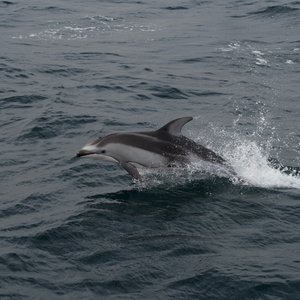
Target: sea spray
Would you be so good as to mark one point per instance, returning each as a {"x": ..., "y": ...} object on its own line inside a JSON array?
[{"x": 248, "y": 158}]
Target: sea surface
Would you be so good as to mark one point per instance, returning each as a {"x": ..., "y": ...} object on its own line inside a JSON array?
[{"x": 71, "y": 71}]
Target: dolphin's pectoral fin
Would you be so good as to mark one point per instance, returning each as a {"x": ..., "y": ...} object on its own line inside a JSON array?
[
  {"x": 174, "y": 127},
  {"x": 132, "y": 170}
]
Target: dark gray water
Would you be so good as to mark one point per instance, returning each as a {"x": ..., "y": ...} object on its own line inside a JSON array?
[{"x": 81, "y": 229}]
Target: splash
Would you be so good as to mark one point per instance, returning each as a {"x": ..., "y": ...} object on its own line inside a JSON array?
[
  {"x": 250, "y": 155},
  {"x": 251, "y": 162},
  {"x": 248, "y": 160},
  {"x": 250, "y": 165},
  {"x": 198, "y": 172}
]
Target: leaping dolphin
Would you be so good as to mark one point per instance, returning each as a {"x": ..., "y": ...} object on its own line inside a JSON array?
[{"x": 164, "y": 147}]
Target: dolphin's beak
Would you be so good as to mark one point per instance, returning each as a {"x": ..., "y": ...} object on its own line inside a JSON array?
[
  {"x": 84, "y": 153},
  {"x": 93, "y": 154},
  {"x": 88, "y": 149},
  {"x": 91, "y": 151}
]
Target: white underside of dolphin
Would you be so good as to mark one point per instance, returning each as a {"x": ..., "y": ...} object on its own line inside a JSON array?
[{"x": 164, "y": 147}]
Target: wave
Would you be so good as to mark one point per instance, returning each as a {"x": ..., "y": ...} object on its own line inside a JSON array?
[
  {"x": 49, "y": 126},
  {"x": 7, "y": 3},
  {"x": 275, "y": 10},
  {"x": 176, "y": 8},
  {"x": 168, "y": 92},
  {"x": 20, "y": 101}
]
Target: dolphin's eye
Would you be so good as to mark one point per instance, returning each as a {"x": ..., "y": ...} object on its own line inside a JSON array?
[{"x": 103, "y": 151}]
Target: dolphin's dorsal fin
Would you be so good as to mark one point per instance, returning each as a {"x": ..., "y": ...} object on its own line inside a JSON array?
[{"x": 174, "y": 127}]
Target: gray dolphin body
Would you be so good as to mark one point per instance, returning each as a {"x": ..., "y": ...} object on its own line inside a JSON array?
[{"x": 164, "y": 147}]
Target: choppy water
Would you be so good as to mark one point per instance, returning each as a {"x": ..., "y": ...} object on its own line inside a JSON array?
[{"x": 79, "y": 229}]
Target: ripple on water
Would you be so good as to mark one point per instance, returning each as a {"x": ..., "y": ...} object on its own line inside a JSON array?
[
  {"x": 91, "y": 55},
  {"x": 176, "y": 8},
  {"x": 275, "y": 11},
  {"x": 168, "y": 92},
  {"x": 20, "y": 101},
  {"x": 11, "y": 72},
  {"x": 101, "y": 87},
  {"x": 62, "y": 71},
  {"x": 6, "y": 3},
  {"x": 52, "y": 125}
]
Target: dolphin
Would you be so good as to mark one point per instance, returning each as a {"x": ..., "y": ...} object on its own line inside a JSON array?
[{"x": 165, "y": 147}]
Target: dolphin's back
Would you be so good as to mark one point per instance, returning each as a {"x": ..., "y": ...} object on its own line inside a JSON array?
[
  {"x": 188, "y": 146},
  {"x": 145, "y": 140},
  {"x": 173, "y": 148}
]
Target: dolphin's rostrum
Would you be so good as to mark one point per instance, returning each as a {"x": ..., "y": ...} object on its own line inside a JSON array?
[{"x": 164, "y": 147}]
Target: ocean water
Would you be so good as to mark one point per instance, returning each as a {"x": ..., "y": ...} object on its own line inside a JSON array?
[{"x": 81, "y": 229}]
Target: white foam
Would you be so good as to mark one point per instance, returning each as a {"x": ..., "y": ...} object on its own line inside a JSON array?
[
  {"x": 289, "y": 61},
  {"x": 230, "y": 47},
  {"x": 87, "y": 27},
  {"x": 257, "y": 52},
  {"x": 261, "y": 61},
  {"x": 90, "y": 28},
  {"x": 251, "y": 163}
]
